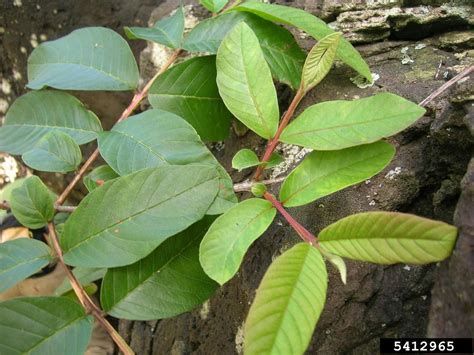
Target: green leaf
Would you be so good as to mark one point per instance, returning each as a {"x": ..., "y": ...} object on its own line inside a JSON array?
[
  {"x": 189, "y": 90},
  {"x": 92, "y": 58},
  {"x": 21, "y": 258},
  {"x": 85, "y": 275},
  {"x": 151, "y": 139},
  {"x": 388, "y": 238},
  {"x": 246, "y": 158},
  {"x": 44, "y": 325},
  {"x": 225, "y": 244},
  {"x": 288, "y": 303},
  {"x": 283, "y": 55},
  {"x": 157, "y": 138},
  {"x": 168, "y": 31},
  {"x": 225, "y": 198},
  {"x": 6, "y": 192},
  {"x": 100, "y": 174},
  {"x": 32, "y": 203},
  {"x": 214, "y": 6},
  {"x": 55, "y": 152},
  {"x": 35, "y": 114},
  {"x": 311, "y": 25},
  {"x": 323, "y": 173},
  {"x": 166, "y": 283},
  {"x": 319, "y": 61},
  {"x": 124, "y": 220},
  {"x": 245, "y": 81},
  {"x": 340, "y": 124}
]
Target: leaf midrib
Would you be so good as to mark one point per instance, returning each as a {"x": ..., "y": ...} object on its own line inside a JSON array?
[
  {"x": 315, "y": 179},
  {"x": 128, "y": 84},
  {"x": 147, "y": 147},
  {"x": 48, "y": 126},
  {"x": 290, "y": 297},
  {"x": 93, "y": 236},
  {"x": 67, "y": 325},
  {"x": 29, "y": 261},
  {"x": 231, "y": 246},
  {"x": 253, "y": 98},
  {"x": 392, "y": 117}
]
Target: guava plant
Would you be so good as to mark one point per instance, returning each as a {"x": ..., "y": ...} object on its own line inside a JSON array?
[{"x": 161, "y": 223}]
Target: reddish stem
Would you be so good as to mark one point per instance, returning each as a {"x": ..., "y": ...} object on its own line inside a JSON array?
[
  {"x": 82, "y": 295},
  {"x": 272, "y": 143},
  {"x": 306, "y": 235},
  {"x": 137, "y": 98}
]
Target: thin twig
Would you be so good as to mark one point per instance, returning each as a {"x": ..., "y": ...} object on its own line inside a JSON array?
[
  {"x": 137, "y": 98},
  {"x": 446, "y": 85},
  {"x": 247, "y": 185},
  {"x": 272, "y": 143},
  {"x": 5, "y": 205},
  {"x": 306, "y": 235},
  {"x": 82, "y": 295}
]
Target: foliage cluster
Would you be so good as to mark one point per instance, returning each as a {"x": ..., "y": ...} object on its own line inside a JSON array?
[{"x": 161, "y": 223}]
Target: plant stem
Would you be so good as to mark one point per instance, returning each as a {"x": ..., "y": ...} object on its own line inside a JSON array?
[
  {"x": 83, "y": 297},
  {"x": 272, "y": 143},
  {"x": 446, "y": 86},
  {"x": 247, "y": 185},
  {"x": 306, "y": 235},
  {"x": 137, "y": 98},
  {"x": 5, "y": 205}
]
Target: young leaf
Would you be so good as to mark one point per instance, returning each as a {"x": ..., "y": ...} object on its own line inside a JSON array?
[
  {"x": 21, "y": 258},
  {"x": 189, "y": 90},
  {"x": 288, "y": 303},
  {"x": 245, "y": 81},
  {"x": 92, "y": 58},
  {"x": 168, "y": 31},
  {"x": 337, "y": 262},
  {"x": 6, "y": 193},
  {"x": 323, "y": 173},
  {"x": 122, "y": 221},
  {"x": 388, "y": 238},
  {"x": 44, "y": 325},
  {"x": 157, "y": 138},
  {"x": 35, "y": 114},
  {"x": 166, "y": 283},
  {"x": 85, "y": 275},
  {"x": 98, "y": 176},
  {"x": 258, "y": 189},
  {"x": 32, "y": 203},
  {"x": 226, "y": 242},
  {"x": 319, "y": 61},
  {"x": 311, "y": 25},
  {"x": 246, "y": 158},
  {"x": 283, "y": 55},
  {"x": 214, "y": 6},
  {"x": 340, "y": 124},
  {"x": 55, "y": 152}
]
